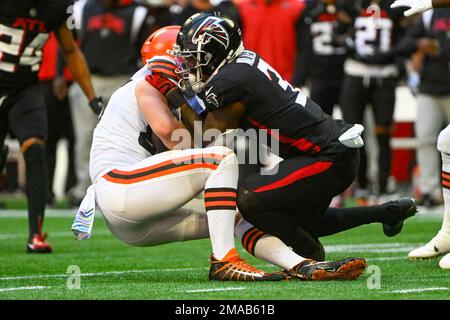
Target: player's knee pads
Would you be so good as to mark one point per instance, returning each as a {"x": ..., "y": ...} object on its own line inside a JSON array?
[{"x": 443, "y": 143}]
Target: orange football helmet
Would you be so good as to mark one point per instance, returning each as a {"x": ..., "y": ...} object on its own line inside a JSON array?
[{"x": 159, "y": 42}]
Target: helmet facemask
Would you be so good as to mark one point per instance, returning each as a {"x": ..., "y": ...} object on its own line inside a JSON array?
[
  {"x": 192, "y": 66},
  {"x": 203, "y": 48}
]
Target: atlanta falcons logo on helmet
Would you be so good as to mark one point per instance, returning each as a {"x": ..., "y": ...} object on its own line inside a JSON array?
[{"x": 211, "y": 29}]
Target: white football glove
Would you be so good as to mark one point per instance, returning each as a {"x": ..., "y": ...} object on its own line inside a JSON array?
[{"x": 414, "y": 5}]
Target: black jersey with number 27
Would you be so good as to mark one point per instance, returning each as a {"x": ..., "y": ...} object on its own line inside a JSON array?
[
  {"x": 24, "y": 28},
  {"x": 273, "y": 104}
]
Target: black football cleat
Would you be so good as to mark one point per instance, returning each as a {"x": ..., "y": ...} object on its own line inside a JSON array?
[
  {"x": 345, "y": 269},
  {"x": 401, "y": 209},
  {"x": 234, "y": 268}
]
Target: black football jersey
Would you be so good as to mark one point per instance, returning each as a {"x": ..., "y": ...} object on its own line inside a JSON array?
[
  {"x": 25, "y": 26},
  {"x": 375, "y": 29},
  {"x": 273, "y": 104},
  {"x": 317, "y": 34}
]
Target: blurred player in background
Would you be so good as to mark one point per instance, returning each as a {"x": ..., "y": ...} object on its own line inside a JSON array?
[
  {"x": 430, "y": 36},
  {"x": 320, "y": 59},
  {"x": 25, "y": 27},
  {"x": 54, "y": 85},
  {"x": 440, "y": 244},
  {"x": 370, "y": 29},
  {"x": 225, "y": 7},
  {"x": 118, "y": 28},
  {"x": 417, "y": 6},
  {"x": 270, "y": 27}
]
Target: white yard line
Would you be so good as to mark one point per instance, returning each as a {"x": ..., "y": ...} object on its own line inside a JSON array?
[
  {"x": 95, "y": 274},
  {"x": 372, "y": 247},
  {"x": 109, "y": 273},
  {"x": 24, "y": 288},
  {"x": 387, "y": 258},
  {"x": 415, "y": 290},
  {"x": 59, "y": 234},
  {"x": 212, "y": 290},
  {"x": 52, "y": 213}
]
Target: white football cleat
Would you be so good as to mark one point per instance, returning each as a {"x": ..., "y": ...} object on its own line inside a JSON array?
[
  {"x": 438, "y": 246},
  {"x": 445, "y": 262}
]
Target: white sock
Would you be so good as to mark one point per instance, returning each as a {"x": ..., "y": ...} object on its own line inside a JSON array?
[
  {"x": 221, "y": 227},
  {"x": 266, "y": 247},
  {"x": 446, "y": 191},
  {"x": 220, "y": 202}
]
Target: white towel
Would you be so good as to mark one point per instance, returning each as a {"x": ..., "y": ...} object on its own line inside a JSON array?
[{"x": 84, "y": 219}]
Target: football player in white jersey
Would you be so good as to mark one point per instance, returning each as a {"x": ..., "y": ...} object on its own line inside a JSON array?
[
  {"x": 148, "y": 195},
  {"x": 440, "y": 244},
  {"x": 417, "y": 6}
]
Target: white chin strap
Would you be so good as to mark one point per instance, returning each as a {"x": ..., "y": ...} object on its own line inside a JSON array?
[{"x": 196, "y": 85}]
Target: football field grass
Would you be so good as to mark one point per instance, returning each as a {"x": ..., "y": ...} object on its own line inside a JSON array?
[{"x": 112, "y": 270}]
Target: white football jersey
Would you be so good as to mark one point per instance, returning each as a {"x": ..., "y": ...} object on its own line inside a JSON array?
[{"x": 115, "y": 141}]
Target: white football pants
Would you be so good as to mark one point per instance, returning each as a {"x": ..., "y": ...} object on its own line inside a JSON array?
[{"x": 153, "y": 202}]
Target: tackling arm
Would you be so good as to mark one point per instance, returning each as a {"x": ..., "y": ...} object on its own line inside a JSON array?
[
  {"x": 157, "y": 114},
  {"x": 225, "y": 118},
  {"x": 189, "y": 118}
]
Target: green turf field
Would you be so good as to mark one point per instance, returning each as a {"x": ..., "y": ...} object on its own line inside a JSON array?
[{"x": 112, "y": 270}]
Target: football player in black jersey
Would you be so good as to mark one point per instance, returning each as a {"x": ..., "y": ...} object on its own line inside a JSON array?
[
  {"x": 370, "y": 29},
  {"x": 320, "y": 58},
  {"x": 237, "y": 89},
  {"x": 24, "y": 28}
]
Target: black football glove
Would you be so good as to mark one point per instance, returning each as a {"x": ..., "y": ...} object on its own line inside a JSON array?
[{"x": 96, "y": 105}]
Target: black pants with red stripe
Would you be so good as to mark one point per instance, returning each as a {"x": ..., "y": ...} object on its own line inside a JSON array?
[{"x": 293, "y": 203}]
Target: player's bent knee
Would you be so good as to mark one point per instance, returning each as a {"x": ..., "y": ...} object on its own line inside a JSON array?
[
  {"x": 315, "y": 251},
  {"x": 443, "y": 143},
  {"x": 220, "y": 150},
  {"x": 229, "y": 162}
]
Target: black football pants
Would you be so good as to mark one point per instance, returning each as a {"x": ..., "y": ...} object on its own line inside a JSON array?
[
  {"x": 380, "y": 94},
  {"x": 326, "y": 93},
  {"x": 291, "y": 204}
]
